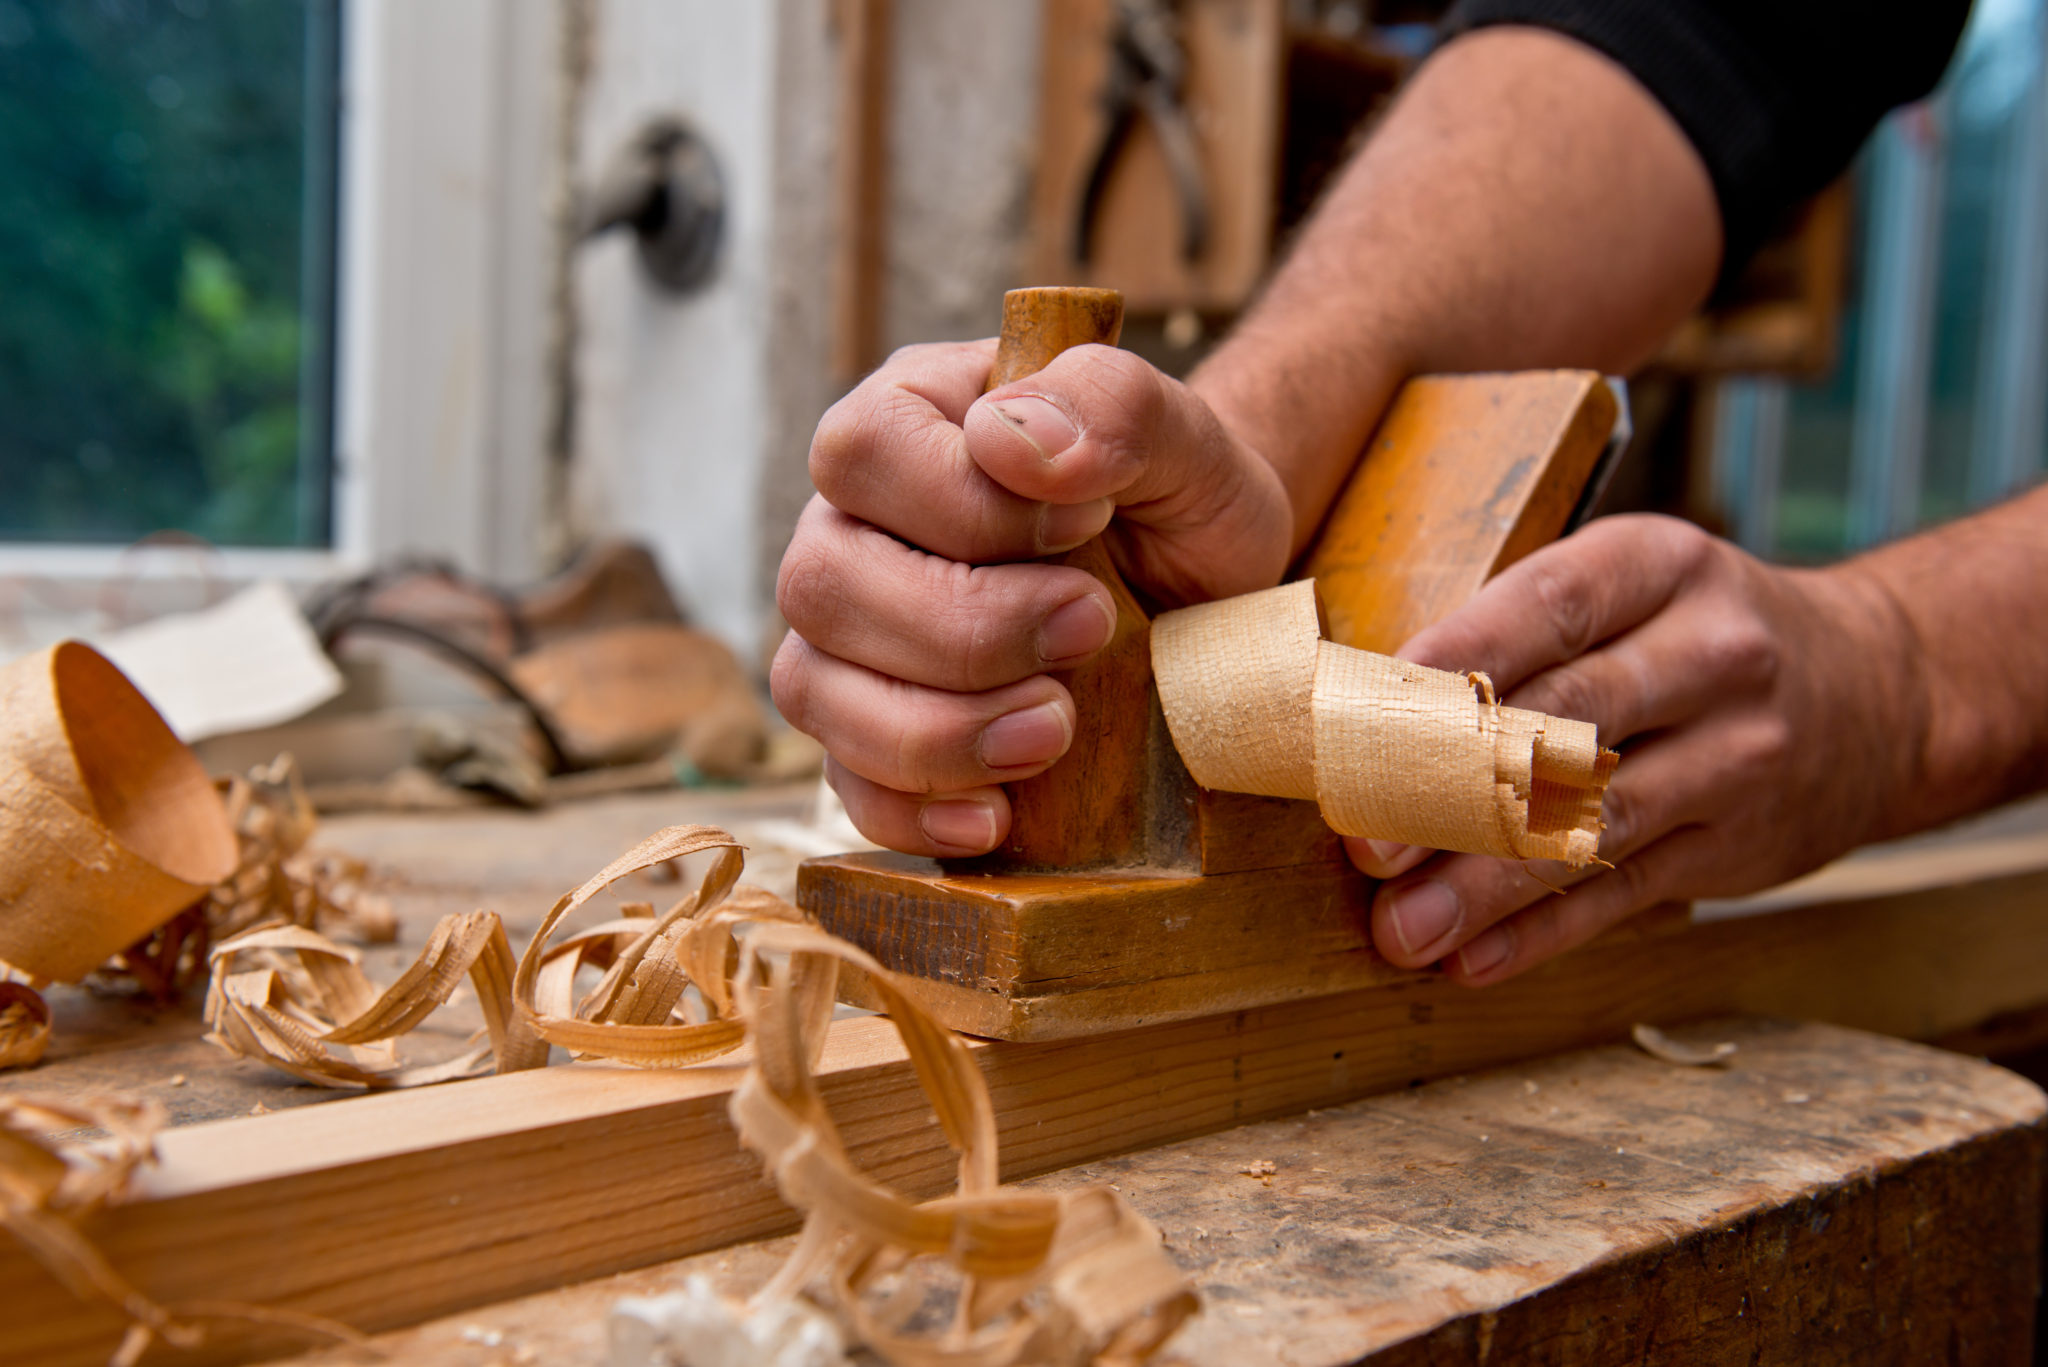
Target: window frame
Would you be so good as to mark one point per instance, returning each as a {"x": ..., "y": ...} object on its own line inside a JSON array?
[{"x": 444, "y": 252}]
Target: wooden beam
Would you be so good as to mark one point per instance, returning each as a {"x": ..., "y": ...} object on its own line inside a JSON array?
[
  {"x": 861, "y": 185},
  {"x": 386, "y": 1210}
]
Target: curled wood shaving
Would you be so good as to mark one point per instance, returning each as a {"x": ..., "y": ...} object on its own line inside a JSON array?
[
  {"x": 1659, "y": 1045},
  {"x": 24, "y": 1025},
  {"x": 1258, "y": 702},
  {"x": 1070, "y": 1279},
  {"x": 300, "y": 1002},
  {"x": 48, "y": 1186},
  {"x": 641, "y": 1012}
]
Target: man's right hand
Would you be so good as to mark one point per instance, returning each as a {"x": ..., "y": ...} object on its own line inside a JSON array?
[{"x": 921, "y": 633}]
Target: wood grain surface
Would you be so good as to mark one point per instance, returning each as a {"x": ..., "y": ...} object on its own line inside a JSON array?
[
  {"x": 1830, "y": 1198},
  {"x": 1466, "y": 475}
]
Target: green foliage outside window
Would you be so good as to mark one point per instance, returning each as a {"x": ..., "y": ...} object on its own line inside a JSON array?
[{"x": 166, "y": 272}]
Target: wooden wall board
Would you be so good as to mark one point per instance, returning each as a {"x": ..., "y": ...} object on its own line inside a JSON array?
[
  {"x": 389, "y": 1209},
  {"x": 862, "y": 29},
  {"x": 1236, "y": 60},
  {"x": 1833, "y": 1197}
]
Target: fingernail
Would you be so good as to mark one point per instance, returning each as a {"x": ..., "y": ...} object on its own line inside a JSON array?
[
  {"x": 959, "y": 823},
  {"x": 1063, "y": 525},
  {"x": 1075, "y": 629},
  {"x": 1486, "y": 953},
  {"x": 1385, "y": 852},
  {"x": 1032, "y": 735},
  {"x": 1424, "y": 913},
  {"x": 1038, "y": 421}
]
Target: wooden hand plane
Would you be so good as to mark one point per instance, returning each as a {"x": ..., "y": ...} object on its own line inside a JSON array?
[{"x": 1128, "y": 895}]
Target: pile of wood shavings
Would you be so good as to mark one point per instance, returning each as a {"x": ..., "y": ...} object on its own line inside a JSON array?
[
  {"x": 279, "y": 880},
  {"x": 984, "y": 1278}
]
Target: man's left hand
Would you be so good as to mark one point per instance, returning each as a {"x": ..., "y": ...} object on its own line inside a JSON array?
[{"x": 1767, "y": 717}]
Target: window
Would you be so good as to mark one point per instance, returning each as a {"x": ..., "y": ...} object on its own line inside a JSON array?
[
  {"x": 167, "y": 258},
  {"x": 1938, "y": 404}
]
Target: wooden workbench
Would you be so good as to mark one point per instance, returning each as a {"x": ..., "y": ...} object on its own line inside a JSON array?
[{"x": 1830, "y": 1197}]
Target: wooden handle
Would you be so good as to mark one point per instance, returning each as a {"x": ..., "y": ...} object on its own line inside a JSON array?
[
  {"x": 1091, "y": 809},
  {"x": 1038, "y": 324}
]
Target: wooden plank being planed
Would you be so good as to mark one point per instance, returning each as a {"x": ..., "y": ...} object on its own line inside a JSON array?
[{"x": 386, "y": 1210}]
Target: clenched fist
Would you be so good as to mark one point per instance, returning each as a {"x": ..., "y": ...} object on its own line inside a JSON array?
[{"x": 921, "y": 631}]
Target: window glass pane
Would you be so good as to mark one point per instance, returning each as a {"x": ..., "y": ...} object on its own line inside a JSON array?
[
  {"x": 1813, "y": 502},
  {"x": 1990, "y": 83},
  {"x": 167, "y": 265},
  {"x": 1981, "y": 382}
]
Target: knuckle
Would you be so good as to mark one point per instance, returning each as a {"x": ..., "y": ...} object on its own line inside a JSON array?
[
  {"x": 1766, "y": 744},
  {"x": 1656, "y": 539},
  {"x": 1742, "y": 650},
  {"x": 1636, "y": 885},
  {"x": 862, "y": 430},
  {"x": 966, "y": 622},
  {"x": 1567, "y": 603},
  {"x": 998, "y": 523},
  {"x": 1568, "y": 692},
  {"x": 1622, "y": 816},
  {"x": 925, "y": 754},
  {"x": 789, "y": 683},
  {"x": 1696, "y": 550},
  {"x": 810, "y": 590},
  {"x": 909, "y": 355},
  {"x": 840, "y": 445},
  {"x": 1122, "y": 397}
]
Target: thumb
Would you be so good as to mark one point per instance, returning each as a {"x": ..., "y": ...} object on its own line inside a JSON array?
[{"x": 1201, "y": 514}]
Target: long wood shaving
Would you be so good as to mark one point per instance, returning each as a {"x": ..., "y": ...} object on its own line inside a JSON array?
[
  {"x": 642, "y": 1011},
  {"x": 1258, "y": 702},
  {"x": 300, "y": 1002},
  {"x": 48, "y": 1186},
  {"x": 1073, "y": 1279}
]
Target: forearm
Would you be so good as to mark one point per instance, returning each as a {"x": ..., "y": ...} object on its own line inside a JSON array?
[
  {"x": 1525, "y": 204},
  {"x": 1972, "y": 600}
]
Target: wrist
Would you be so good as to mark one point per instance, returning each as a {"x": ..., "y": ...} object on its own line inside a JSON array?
[
  {"x": 1885, "y": 666},
  {"x": 1306, "y": 417}
]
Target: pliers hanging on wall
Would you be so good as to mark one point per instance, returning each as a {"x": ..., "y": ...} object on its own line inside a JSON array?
[{"x": 1148, "y": 68}]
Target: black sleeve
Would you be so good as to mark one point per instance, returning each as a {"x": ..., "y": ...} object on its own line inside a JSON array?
[{"x": 1777, "y": 95}]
